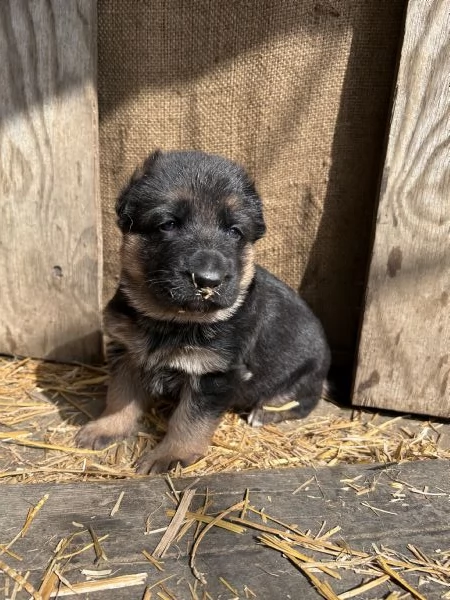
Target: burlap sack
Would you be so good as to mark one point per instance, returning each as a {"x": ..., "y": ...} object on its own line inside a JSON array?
[{"x": 297, "y": 91}]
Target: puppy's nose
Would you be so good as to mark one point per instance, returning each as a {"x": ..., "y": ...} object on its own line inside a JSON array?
[
  {"x": 208, "y": 268},
  {"x": 207, "y": 279}
]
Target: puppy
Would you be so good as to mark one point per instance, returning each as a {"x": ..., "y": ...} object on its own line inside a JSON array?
[{"x": 194, "y": 320}]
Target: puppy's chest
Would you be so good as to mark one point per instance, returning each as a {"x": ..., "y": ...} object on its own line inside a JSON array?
[
  {"x": 190, "y": 351},
  {"x": 167, "y": 356},
  {"x": 166, "y": 370},
  {"x": 188, "y": 359}
]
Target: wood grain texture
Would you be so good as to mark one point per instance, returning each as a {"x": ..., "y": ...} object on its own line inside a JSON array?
[
  {"x": 418, "y": 519},
  {"x": 50, "y": 254},
  {"x": 404, "y": 353}
]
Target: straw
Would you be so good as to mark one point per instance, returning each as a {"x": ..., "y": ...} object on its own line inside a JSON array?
[
  {"x": 29, "y": 519},
  {"x": 98, "y": 548},
  {"x": 201, "y": 535},
  {"x": 18, "y": 578},
  {"x": 116, "y": 506},
  {"x": 151, "y": 559},
  {"x": 42, "y": 405},
  {"x": 175, "y": 524},
  {"x": 112, "y": 583},
  {"x": 394, "y": 575}
]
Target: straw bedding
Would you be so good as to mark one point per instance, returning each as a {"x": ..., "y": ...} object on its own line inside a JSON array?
[{"x": 42, "y": 405}]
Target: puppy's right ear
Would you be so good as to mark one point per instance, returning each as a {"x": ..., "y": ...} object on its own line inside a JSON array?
[{"x": 123, "y": 204}]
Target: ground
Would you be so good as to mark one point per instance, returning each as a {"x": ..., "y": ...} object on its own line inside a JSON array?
[{"x": 362, "y": 509}]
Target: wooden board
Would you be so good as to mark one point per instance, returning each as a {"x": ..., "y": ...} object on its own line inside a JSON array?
[
  {"x": 404, "y": 353},
  {"x": 376, "y": 517},
  {"x": 50, "y": 259}
]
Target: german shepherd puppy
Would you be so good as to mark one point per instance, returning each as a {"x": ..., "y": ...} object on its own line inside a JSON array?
[{"x": 194, "y": 320}]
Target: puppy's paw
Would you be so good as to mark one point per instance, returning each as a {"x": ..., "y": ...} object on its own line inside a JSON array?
[
  {"x": 256, "y": 418},
  {"x": 96, "y": 435},
  {"x": 259, "y": 417},
  {"x": 154, "y": 461}
]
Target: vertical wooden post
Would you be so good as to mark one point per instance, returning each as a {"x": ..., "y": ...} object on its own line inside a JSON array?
[
  {"x": 404, "y": 354},
  {"x": 50, "y": 239}
]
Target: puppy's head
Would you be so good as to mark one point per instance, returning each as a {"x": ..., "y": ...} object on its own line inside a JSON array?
[{"x": 189, "y": 222}]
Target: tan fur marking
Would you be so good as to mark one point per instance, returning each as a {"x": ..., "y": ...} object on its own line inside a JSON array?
[
  {"x": 114, "y": 425},
  {"x": 248, "y": 269},
  {"x": 119, "y": 327},
  {"x": 232, "y": 202},
  {"x": 196, "y": 361},
  {"x": 182, "y": 193},
  {"x": 124, "y": 406},
  {"x": 130, "y": 252},
  {"x": 142, "y": 300},
  {"x": 184, "y": 434},
  {"x": 186, "y": 439}
]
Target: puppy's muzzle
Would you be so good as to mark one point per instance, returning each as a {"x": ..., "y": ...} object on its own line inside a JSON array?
[{"x": 208, "y": 270}]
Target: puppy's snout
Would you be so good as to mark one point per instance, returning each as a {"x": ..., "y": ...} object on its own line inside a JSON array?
[{"x": 208, "y": 269}]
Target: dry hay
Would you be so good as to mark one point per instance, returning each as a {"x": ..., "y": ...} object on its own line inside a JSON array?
[{"x": 42, "y": 404}]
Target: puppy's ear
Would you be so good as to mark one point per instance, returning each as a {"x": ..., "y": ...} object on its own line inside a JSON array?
[
  {"x": 146, "y": 167},
  {"x": 259, "y": 224},
  {"x": 124, "y": 219},
  {"x": 150, "y": 161}
]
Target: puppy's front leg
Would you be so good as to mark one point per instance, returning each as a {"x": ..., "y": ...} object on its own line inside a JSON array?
[
  {"x": 124, "y": 405},
  {"x": 191, "y": 425}
]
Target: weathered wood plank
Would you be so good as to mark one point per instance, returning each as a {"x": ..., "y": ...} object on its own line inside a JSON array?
[
  {"x": 414, "y": 518},
  {"x": 50, "y": 240},
  {"x": 404, "y": 353}
]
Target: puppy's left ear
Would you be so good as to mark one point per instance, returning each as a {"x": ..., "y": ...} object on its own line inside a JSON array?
[
  {"x": 259, "y": 224},
  {"x": 146, "y": 167}
]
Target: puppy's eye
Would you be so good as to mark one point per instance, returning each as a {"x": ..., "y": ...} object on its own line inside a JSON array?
[
  {"x": 168, "y": 226},
  {"x": 234, "y": 232}
]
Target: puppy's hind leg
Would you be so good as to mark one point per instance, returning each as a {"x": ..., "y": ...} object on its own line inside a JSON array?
[
  {"x": 124, "y": 405},
  {"x": 297, "y": 403}
]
